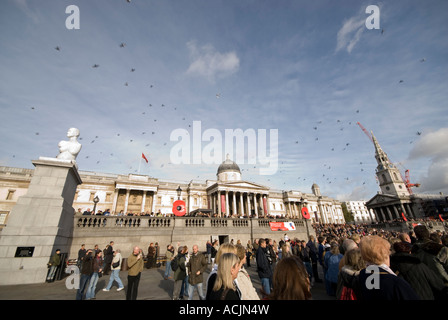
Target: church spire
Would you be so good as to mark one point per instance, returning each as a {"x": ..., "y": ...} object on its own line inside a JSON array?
[
  {"x": 381, "y": 157},
  {"x": 389, "y": 177}
]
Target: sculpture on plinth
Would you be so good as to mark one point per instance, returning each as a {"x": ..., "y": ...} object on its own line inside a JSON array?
[{"x": 68, "y": 150}]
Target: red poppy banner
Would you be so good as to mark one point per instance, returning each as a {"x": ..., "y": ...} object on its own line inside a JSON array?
[{"x": 282, "y": 226}]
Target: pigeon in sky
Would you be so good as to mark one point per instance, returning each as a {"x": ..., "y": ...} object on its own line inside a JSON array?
[
  {"x": 95, "y": 66},
  {"x": 423, "y": 60},
  {"x": 58, "y": 48},
  {"x": 401, "y": 81},
  {"x": 122, "y": 45}
]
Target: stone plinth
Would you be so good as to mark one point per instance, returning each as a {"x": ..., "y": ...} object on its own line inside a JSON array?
[{"x": 42, "y": 219}]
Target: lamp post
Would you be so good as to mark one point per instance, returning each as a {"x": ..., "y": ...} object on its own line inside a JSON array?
[
  {"x": 179, "y": 191},
  {"x": 95, "y": 201}
]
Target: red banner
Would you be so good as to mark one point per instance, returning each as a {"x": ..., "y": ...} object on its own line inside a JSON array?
[
  {"x": 265, "y": 206},
  {"x": 404, "y": 218},
  {"x": 282, "y": 226},
  {"x": 223, "y": 203}
]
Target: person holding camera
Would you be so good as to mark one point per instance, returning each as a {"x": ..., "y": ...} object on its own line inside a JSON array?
[{"x": 135, "y": 268}]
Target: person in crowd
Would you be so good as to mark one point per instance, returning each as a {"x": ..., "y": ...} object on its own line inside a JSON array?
[
  {"x": 97, "y": 273},
  {"x": 286, "y": 250},
  {"x": 86, "y": 274},
  {"x": 180, "y": 273},
  {"x": 347, "y": 245},
  {"x": 108, "y": 256},
  {"x": 214, "y": 251},
  {"x": 425, "y": 282},
  {"x": 54, "y": 264},
  {"x": 348, "y": 275},
  {"x": 209, "y": 252},
  {"x": 264, "y": 261},
  {"x": 272, "y": 254},
  {"x": 196, "y": 266},
  {"x": 224, "y": 287},
  {"x": 290, "y": 280},
  {"x": 169, "y": 257},
  {"x": 224, "y": 248},
  {"x": 135, "y": 267},
  {"x": 151, "y": 256},
  {"x": 243, "y": 281},
  {"x": 377, "y": 281},
  {"x": 81, "y": 255},
  {"x": 404, "y": 237},
  {"x": 314, "y": 257},
  {"x": 306, "y": 259},
  {"x": 331, "y": 261},
  {"x": 320, "y": 249},
  {"x": 115, "y": 274},
  {"x": 433, "y": 254}
]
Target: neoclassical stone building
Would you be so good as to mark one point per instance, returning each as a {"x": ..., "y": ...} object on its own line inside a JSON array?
[{"x": 227, "y": 196}]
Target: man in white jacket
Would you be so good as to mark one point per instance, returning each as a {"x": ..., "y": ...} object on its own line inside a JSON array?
[{"x": 115, "y": 274}]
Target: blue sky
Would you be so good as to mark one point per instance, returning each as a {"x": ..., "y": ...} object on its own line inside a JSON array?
[{"x": 311, "y": 70}]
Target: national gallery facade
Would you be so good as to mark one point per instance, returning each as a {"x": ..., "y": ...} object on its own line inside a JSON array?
[{"x": 227, "y": 196}]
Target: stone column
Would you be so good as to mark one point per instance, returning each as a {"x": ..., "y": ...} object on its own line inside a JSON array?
[
  {"x": 249, "y": 212},
  {"x": 143, "y": 201},
  {"x": 114, "y": 204},
  {"x": 219, "y": 203},
  {"x": 227, "y": 203},
  {"x": 234, "y": 204},
  {"x": 39, "y": 223},
  {"x": 241, "y": 204},
  {"x": 255, "y": 205},
  {"x": 128, "y": 191}
]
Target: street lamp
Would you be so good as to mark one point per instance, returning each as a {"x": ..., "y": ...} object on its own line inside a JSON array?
[
  {"x": 179, "y": 191},
  {"x": 95, "y": 201}
]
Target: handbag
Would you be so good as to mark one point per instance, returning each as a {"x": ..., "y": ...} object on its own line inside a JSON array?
[{"x": 116, "y": 264}]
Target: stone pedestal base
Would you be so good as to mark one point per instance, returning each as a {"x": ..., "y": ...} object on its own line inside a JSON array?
[{"x": 41, "y": 222}]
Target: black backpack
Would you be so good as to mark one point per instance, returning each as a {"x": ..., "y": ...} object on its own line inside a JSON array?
[{"x": 175, "y": 263}]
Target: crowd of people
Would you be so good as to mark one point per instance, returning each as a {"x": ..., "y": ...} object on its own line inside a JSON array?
[
  {"x": 358, "y": 262},
  {"x": 403, "y": 265}
]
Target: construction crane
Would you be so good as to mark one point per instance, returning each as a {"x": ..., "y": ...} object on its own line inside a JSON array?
[{"x": 408, "y": 182}]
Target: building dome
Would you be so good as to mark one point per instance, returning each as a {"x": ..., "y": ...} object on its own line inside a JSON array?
[{"x": 228, "y": 170}]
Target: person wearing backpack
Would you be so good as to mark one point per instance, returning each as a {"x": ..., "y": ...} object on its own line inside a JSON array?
[
  {"x": 179, "y": 268},
  {"x": 331, "y": 261}
]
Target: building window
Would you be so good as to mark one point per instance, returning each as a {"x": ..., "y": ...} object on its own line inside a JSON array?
[
  {"x": 10, "y": 194},
  {"x": 3, "y": 217}
]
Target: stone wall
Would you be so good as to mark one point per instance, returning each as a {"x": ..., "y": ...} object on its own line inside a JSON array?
[{"x": 130, "y": 231}]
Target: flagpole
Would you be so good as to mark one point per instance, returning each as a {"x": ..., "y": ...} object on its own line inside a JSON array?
[{"x": 139, "y": 164}]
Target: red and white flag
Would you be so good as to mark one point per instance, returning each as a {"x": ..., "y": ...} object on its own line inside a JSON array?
[{"x": 143, "y": 156}]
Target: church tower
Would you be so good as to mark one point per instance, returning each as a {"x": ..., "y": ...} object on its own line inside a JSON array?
[{"x": 389, "y": 177}]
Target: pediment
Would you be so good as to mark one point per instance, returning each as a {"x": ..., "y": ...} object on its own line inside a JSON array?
[
  {"x": 239, "y": 185},
  {"x": 379, "y": 199}
]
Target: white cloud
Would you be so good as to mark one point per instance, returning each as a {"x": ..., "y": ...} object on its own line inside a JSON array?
[
  {"x": 350, "y": 33},
  {"x": 209, "y": 63},
  {"x": 434, "y": 146}
]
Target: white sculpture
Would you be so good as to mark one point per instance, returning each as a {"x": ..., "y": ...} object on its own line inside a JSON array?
[{"x": 68, "y": 150}]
